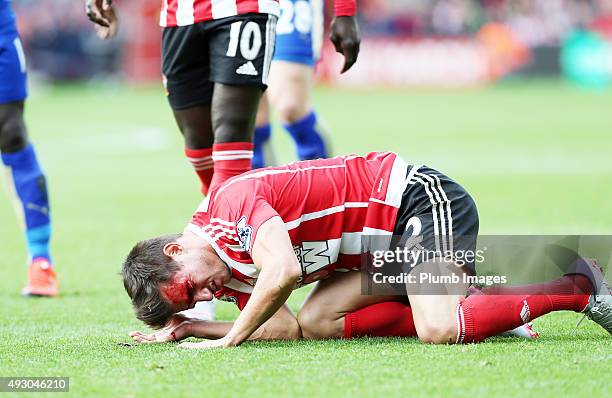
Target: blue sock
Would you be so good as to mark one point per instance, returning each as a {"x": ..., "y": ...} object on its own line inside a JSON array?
[
  {"x": 31, "y": 189},
  {"x": 261, "y": 136},
  {"x": 307, "y": 137}
]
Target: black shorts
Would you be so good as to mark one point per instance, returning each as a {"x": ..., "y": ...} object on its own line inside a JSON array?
[
  {"x": 235, "y": 51},
  {"x": 438, "y": 215}
]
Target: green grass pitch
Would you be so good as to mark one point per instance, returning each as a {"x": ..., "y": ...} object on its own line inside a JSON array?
[{"x": 535, "y": 155}]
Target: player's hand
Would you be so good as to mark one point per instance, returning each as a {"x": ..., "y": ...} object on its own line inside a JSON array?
[
  {"x": 208, "y": 344},
  {"x": 178, "y": 328},
  {"x": 102, "y": 13},
  {"x": 344, "y": 33}
]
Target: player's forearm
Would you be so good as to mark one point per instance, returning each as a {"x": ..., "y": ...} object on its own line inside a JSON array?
[
  {"x": 271, "y": 291},
  {"x": 210, "y": 329},
  {"x": 345, "y": 8},
  {"x": 285, "y": 328}
]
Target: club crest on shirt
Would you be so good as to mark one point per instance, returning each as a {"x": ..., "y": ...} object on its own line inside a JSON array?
[{"x": 245, "y": 232}]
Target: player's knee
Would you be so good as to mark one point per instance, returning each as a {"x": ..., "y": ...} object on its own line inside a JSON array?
[
  {"x": 195, "y": 125},
  {"x": 437, "y": 332},
  {"x": 232, "y": 126},
  {"x": 13, "y": 137},
  {"x": 234, "y": 109},
  {"x": 196, "y": 137},
  {"x": 315, "y": 324},
  {"x": 306, "y": 319},
  {"x": 292, "y": 110}
]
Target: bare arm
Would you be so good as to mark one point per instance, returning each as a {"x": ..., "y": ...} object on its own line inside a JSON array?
[
  {"x": 273, "y": 254},
  {"x": 281, "y": 326}
]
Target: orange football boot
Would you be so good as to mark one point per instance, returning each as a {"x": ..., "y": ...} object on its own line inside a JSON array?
[{"x": 41, "y": 279}]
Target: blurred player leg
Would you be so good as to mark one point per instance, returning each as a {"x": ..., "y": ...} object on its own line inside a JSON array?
[
  {"x": 263, "y": 152},
  {"x": 299, "y": 38},
  {"x": 295, "y": 110},
  {"x": 25, "y": 177}
]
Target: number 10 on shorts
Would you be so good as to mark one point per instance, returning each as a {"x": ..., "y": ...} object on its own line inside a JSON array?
[{"x": 249, "y": 39}]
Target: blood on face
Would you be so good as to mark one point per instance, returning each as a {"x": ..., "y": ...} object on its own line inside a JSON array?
[{"x": 179, "y": 291}]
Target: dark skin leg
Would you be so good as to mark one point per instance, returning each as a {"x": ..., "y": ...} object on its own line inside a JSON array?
[
  {"x": 196, "y": 126},
  {"x": 230, "y": 117},
  {"x": 234, "y": 109},
  {"x": 13, "y": 132}
]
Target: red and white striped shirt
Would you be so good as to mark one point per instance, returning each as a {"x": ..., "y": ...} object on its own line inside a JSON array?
[
  {"x": 188, "y": 12},
  {"x": 327, "y": 205}
]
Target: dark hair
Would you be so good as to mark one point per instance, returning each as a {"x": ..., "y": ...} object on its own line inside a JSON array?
[{"x": 145, "y": 269}]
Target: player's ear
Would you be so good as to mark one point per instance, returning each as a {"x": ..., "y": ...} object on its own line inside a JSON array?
[{"x": 172, "y": 249}]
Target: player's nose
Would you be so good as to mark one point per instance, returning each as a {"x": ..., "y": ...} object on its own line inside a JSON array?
[{"x": 203, "y": 294}]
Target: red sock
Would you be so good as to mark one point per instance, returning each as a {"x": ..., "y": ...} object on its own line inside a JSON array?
[
  {"x": 499, "y": 309},
  {"x": 231, "y": 159},
  {"x": 380, "y": 320},
  {"x": 202, "y": 162}
]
